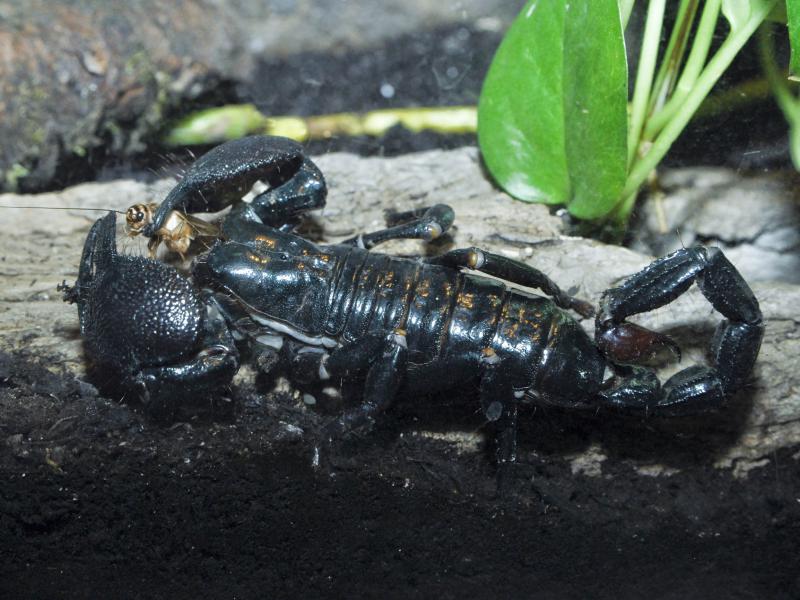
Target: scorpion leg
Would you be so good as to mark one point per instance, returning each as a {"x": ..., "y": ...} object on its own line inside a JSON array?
[
  {"x": 382, "y": 357},
  {"x": 311, "y": 364},
  {"x": 380, "y": 388},
  {"x": 420, "y": 224},
  {"x": 500, "y": 408},
  {"x": 734, "y": 347},
  {"x": 514, "y": 272}
]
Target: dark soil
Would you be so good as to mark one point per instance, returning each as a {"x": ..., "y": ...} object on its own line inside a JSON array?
[
  {"x": 97, "y": 501},
  {"x": 440, "y": 67}
]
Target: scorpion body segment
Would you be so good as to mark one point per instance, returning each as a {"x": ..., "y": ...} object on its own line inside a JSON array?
[
  {"x": 450, "y": 319},
  {"x": 396, "y": 324}
]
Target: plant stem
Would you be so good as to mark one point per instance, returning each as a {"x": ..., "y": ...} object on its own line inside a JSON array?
[
  {"x": 625, "y": 9},
  {"x": 783, "y": 95},
  {"x": 673, "y": 56},
  {"x": 788, "y": 103},
  {"x": 691, "y": 71},
  {"x": 215, "y": 125},
  {"x": 644, "y": 74},
  {"x": 713, "y": 71}
]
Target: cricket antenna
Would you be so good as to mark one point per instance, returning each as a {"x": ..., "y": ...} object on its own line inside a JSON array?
[{"x": 119, "y": 212}]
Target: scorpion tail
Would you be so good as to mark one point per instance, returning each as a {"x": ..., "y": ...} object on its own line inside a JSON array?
[{"x": 733, "y": 350}]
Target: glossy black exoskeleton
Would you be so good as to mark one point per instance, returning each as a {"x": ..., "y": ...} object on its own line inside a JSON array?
[{"x": 399, "y": 325}]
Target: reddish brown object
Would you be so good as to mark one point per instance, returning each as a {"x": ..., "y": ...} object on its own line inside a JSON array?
[{"x": 628, "y": 343}]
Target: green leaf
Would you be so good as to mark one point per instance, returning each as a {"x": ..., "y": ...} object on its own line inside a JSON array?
[
  {"x": 793, "y": 22},
  {"x": 794, "y": 144},
  {"x": 552, "y": 119}
]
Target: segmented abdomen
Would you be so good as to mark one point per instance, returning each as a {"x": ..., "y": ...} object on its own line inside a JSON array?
[
  {"x": 455, "y": 320},
  {"x": 444, "y": 312}
]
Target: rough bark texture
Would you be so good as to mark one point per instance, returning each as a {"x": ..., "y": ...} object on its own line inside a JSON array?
[
  {"x": 79, "y": 78},
  {"x": 43, "y": 247}
]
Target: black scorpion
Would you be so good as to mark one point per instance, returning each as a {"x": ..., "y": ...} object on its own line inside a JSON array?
[{"x": 401, "y": 325}]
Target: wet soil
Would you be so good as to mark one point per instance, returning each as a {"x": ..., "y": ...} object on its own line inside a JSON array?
[{"x": 98, "y": 501}]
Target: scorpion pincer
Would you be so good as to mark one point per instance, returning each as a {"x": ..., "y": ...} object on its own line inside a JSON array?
[{"x": 399, "y": 325}]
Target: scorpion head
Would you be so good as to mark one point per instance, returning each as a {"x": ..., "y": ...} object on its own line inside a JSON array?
[{"x": 134, "y": 312}]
